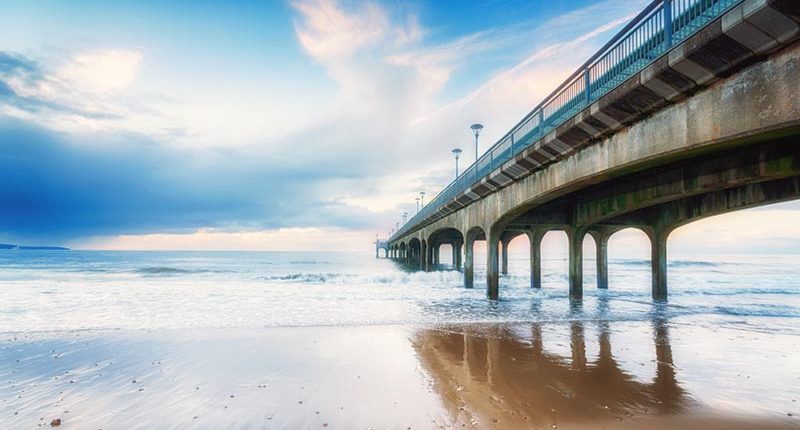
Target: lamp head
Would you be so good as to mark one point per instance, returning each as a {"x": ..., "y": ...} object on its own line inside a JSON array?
[
  {"x": 456, "y": 152},
  {"x": 476, "y": 129}
]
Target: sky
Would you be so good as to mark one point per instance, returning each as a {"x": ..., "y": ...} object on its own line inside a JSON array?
[{"x": 277, "y": 125}]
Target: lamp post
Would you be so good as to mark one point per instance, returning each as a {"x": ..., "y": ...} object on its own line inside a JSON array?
[
  {"x": 456, "y": 152},
  {"x": 422, "y": 199},
  {"x": 476, "y": 130},
  {"x": 405, "y": 217},
  {"x": 417, "y": 199}
]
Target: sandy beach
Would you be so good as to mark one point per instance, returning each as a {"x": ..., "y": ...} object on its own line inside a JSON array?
[{"x": 567, "y": 375}]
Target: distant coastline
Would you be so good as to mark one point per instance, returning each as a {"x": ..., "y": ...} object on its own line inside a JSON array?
[{"x": 32, "y": 248}]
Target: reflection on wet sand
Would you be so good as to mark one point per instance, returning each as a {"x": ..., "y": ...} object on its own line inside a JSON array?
[
  {"x": 502, "y": 376},
  {"x": 493, "y": 372}
]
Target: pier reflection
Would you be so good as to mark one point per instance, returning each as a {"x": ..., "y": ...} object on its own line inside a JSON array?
[{"x": 504, "y": 374}]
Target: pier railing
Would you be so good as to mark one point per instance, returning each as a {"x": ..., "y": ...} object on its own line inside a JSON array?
[{"x": 661, "y": 25}]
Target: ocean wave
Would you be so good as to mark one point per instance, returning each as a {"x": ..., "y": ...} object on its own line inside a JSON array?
[
  {"x": 312, "y": 278},
  {"x": 672, "y": 263},
  {"x": 432, "y": 278},
  {"x": 693, "y": 263},
  {"x": 171, "y": 271},
  {"x": 735, "y": 291},
  {"x": 778, "y": 311}
]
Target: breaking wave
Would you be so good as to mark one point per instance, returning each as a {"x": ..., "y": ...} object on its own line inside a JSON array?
[
  {"x": 173, "y": 271},
  {"x": 671, "y": 263}
]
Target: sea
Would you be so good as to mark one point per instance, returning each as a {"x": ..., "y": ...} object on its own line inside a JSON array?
[{"x": 44, "y": 291}]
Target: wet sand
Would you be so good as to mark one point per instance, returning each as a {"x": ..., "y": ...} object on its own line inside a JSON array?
[{"x": 656, "y": 374}]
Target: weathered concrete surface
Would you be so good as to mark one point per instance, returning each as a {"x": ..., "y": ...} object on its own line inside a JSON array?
[{"x": 757, "y": 104}]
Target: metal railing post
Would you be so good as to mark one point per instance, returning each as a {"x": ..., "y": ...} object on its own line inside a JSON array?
[
  {"x": 587, "y": 87},
  {"x": 541, "y": 122},
  {"x": 668, "y": 23}
]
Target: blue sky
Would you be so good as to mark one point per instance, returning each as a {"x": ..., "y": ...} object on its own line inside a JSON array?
[{"x": 304, "y": 124}]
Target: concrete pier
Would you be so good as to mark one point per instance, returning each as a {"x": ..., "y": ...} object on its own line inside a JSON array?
[{"x": 710, "y": 126}]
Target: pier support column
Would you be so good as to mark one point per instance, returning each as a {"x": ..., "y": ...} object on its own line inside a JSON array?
[
  {"x": 504, "y": 262},
  {"x": 436, "y": 253},
  {"x": 658, "y": 259},
  {"x": 429, "y": 257},
  {"x": 492, "y": 269},
  {"x": 423, "y": 256},
  {"x": 535, "y": 238},
  {"x": 469, "y": 267},
  {"x": 601, "y": 236},
  {"x": 457, "y": 249},
  {"x": 576, "y": 236}
]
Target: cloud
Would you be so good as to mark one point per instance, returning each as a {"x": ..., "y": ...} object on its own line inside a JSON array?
[
  {"x": 329, "y": 32},
  {"x": 82, "y": 93},
  {"x": 102, "y": 71},
  {"x": 282, "y": 239},
  {"x": 59, "y": 187},
  {"x": 18, "y": 67}
]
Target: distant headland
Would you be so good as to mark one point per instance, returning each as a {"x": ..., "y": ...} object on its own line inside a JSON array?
[{"x": 33, "y": 248}]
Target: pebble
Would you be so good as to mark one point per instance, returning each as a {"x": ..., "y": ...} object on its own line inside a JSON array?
[{"x": 55, "y": 422}]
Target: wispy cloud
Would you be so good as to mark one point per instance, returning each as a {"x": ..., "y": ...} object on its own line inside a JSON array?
[{"x": 84, "y": 90}]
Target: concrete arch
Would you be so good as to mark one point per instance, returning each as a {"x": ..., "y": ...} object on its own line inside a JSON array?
[
  {"x": 659, "y": 221},
  {"x": 476, "y": 233},
  {"x": 447, "y": 235},
  {"x": 414, "y": 251},
  {"x": 602, "y": 236}
]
